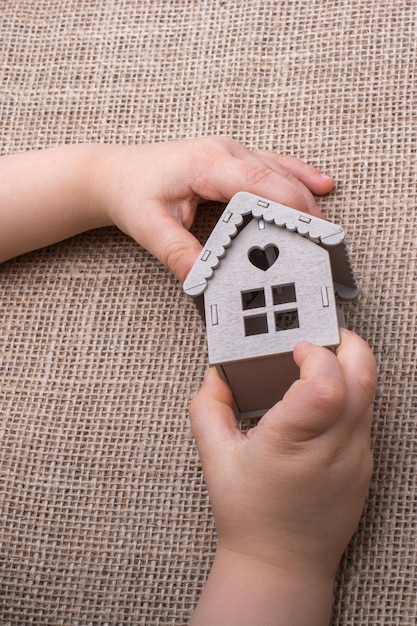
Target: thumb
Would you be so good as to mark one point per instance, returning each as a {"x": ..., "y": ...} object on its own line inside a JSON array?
[
  {"x": 169, "y": 241},
  {"x": 213, "y": 421},
  {"x": 177, "y": 248},
  {"x": 314, "y": 402}
]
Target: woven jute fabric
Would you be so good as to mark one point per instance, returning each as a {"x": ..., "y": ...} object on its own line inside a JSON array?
[{"x": 104, "y": 515}]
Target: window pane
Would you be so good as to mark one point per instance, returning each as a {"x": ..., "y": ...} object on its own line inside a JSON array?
[
  {"x": 285, "y": 320},
  {"x": 255, "y": 325},
  {"x": 253, "y": 299},
  {"x": 282, "y": 294}
]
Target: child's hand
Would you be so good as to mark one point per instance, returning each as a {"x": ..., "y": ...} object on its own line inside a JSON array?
[
  {"x": 288, "y": 496},
  {"x": 151, "y": 192}
]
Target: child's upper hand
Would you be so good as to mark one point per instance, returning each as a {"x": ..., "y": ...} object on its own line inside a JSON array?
[
  {"x": 291, "y": 492},
  {"x": 151, "y": 191}
]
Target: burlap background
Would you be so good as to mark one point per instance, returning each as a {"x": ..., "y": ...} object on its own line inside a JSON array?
[{"x": 104, "y": 517}]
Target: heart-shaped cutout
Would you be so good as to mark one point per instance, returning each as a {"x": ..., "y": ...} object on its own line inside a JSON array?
[{"x": 263, "y": 258}]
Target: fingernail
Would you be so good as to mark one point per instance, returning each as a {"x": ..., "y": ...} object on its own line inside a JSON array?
[
  {"x": 304, "y": 344},
  {"x": 303, "y": 347},
  {"x": 210, "y": 372}
]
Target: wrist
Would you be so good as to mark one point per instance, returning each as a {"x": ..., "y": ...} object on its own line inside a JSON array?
[
  {"x": 96, "y": 174},
  {"x": 288, "y": 571},
  {"x": 110, "y": 186},
  {"x": 245, "y": 590}
]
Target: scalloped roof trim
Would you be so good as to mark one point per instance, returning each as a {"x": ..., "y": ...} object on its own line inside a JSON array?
[{"x": 227, "y": 227}]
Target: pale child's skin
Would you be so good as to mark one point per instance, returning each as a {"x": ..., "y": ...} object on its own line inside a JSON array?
[
  {"x": 287, "y": 496},
  {"x": 150, "y": 192}
]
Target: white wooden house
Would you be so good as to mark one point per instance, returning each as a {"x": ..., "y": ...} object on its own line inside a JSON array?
[{"x": 266, "y": 279}]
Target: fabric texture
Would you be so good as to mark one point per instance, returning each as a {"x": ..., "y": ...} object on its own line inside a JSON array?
[{"x": 104, "y": 515}]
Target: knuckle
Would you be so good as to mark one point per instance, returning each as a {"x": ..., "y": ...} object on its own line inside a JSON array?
[
  {"x": 258, "y": 175},
  {"x": 225, "y": 141},
  {"x": 173, "y": 256}
]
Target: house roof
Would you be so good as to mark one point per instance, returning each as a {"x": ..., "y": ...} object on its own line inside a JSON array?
[{"x": 244, "y": 206}]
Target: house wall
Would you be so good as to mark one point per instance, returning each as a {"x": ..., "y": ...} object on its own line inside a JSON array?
[
  {"x": 258, "y": 386},
  {"x": 301, "y": 263}
]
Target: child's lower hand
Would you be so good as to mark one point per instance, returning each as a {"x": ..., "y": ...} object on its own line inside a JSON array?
[
  {"x": 287, "y": 496},
  {"x": 151, "y": 192}
]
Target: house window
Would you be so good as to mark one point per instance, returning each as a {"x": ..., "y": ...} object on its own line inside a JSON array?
[
  {"x": 282, "y": 294},
  {"x": 253, "y": 299},
  {"x": 256, "y": 325},
  {"x": 283, "y": 318}
]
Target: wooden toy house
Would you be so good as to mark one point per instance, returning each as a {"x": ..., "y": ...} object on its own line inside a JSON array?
[{"x": 266, "y": 279}]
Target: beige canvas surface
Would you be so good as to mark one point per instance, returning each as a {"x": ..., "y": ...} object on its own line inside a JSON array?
[{"x": 104, "y": 516}]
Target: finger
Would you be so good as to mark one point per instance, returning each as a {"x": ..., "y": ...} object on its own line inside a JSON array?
[
  {"x": 314, "y": 402},
  {"x": 312, "y": 178},
  {"x": 229, "y": 175},
  {"x": 169, "y": 241},
  {"x": 305, "y": 176},
  {"x": 298, "y": 186},
  {"x": 177, "y": 248},
  {"x": 213, "y": 421},
  {"x": 360, "y": 372}
]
